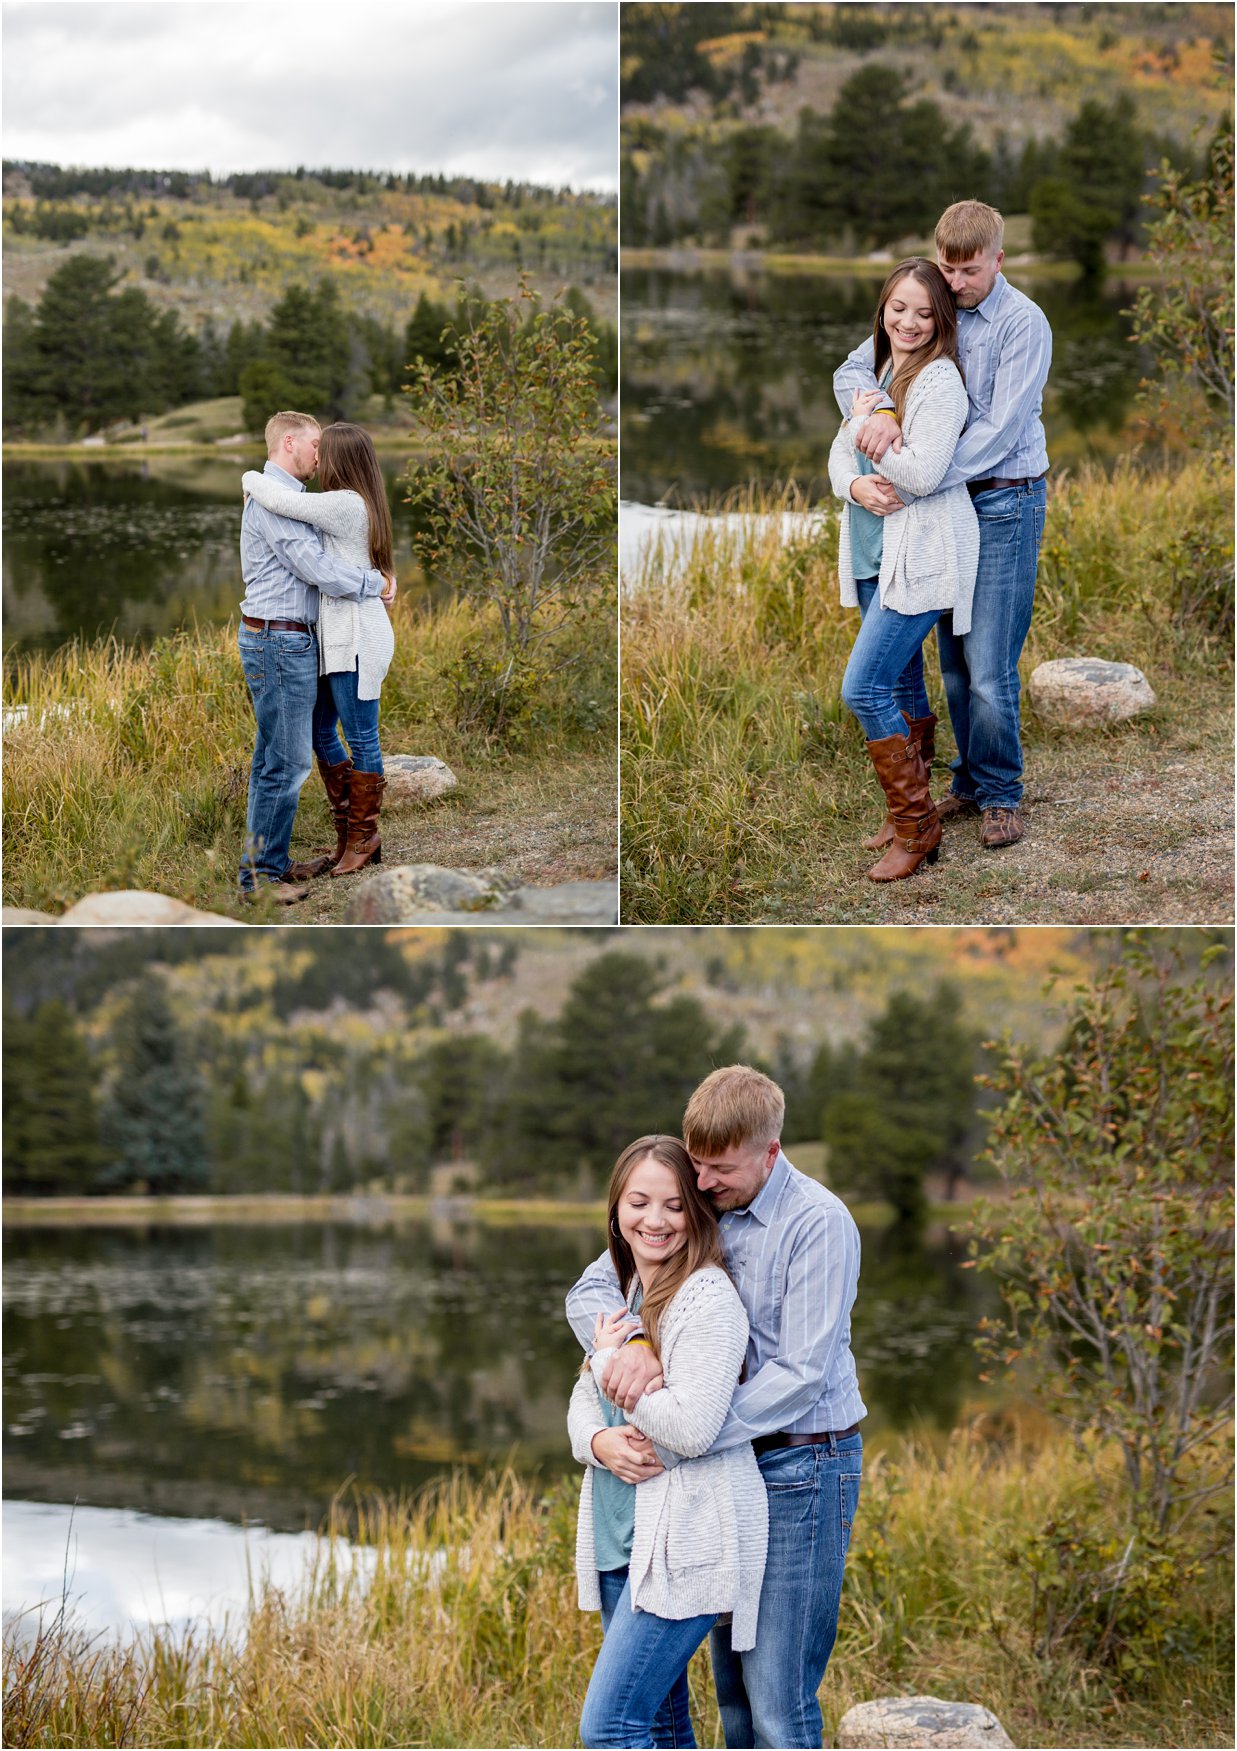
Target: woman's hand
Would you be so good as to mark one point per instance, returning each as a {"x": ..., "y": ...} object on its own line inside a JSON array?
[
  {"x": 388, "y": 595},
  {"x": 627, "y": 1453},
  {"x": 863, "y": 401},
  {"x": 610, "y": 1329}
]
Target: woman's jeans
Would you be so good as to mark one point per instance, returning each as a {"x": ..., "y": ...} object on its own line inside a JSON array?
[
  {"x": 767, "y": 1695},
  {"x": 884, "y": 676},
  {"x": 980, "y": 668},
  {"x": 638, "y": 1692},
  {"x": 337, "y": 704},
  {"x": 281, "y": 671}
]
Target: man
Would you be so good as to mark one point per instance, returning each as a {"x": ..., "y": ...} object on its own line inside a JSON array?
[
  {"x": 284, "y": 566},
  {"x": 1005, "y": 347},
  {"x": 793, "y": 1250}
]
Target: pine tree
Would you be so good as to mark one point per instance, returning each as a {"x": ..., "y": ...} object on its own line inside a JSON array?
[
  {"x": 154, "y": 1121},
  {"x": 51, "y": 1125}
]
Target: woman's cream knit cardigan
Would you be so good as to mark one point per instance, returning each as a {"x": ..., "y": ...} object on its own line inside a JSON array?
[
  {"x": 702, "y": 1528},
  {"x": 351, "y": 634},
  {"x": 930, "y": 553}
]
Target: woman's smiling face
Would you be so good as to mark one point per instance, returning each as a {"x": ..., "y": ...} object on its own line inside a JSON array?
[
  {"x": 908, "y": 317},
  {"x": 650, "y": 1213}
]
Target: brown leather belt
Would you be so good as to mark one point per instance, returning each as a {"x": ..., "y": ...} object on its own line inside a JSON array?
[
  {"x": 995, "y": 481},
  {"x": 768, "y": 1443},
  {"x": 276, "y": 625}
]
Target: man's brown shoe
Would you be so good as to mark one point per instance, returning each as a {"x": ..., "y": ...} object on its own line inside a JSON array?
[
  {"x": 283, "y": 893},
  {"x": 952, "y": 806},
  {"x": 1001, "y": 827}
]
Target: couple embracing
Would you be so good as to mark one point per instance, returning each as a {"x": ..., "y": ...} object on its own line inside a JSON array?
[
  {"x": 940, "y": 462},
  {"x": 315, "y": 644},
  {"x": 717, "y": 1418}
]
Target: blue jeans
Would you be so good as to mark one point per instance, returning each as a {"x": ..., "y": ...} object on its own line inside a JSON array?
[
  {"x": 338, "y": 704},
  {"x": 638, "y": 1692},
  {"x": 884, "y": 676},
  {"x": 281, "y": 670},
  {"x": 980, "y": 669},
  {"x": 767, "y": 1695}
]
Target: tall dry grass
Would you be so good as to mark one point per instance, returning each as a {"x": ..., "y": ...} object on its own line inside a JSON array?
[
  {"x": 468, "y": 1633},
  {"x": 128, "y": 768},
  {"x": 745, "y": 781}
]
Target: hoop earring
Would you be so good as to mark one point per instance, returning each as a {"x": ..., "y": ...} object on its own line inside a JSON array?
[{"x": 614, "y": 1228}]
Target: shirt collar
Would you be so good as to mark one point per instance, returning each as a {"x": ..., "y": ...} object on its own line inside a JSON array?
[
  {"x": 765, "y": 1201},
  {"x": 281, "y": 474}
]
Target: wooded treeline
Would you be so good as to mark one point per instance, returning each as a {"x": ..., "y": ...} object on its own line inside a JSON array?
[
  {"x": 881, "y": 162},
  {"x": 94, "y": 350},
  {"x": 348, "y": 1066}
]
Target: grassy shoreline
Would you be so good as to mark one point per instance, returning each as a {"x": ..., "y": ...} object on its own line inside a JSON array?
[
  {"x": 685, "y": 257},
  {"x": 746, "y": 787},
  {"x": 469, "y": 1633},
  {"x": 129, "y": 769}
]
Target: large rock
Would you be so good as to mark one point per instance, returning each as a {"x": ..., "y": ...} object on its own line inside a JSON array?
[
  {"x": 131, "y": 906},
  {"x": 415, "y": 778},
  {"x": 919, "y": 1721},
  {"x": 19, "y": 915},
  {"x": 1081, "y": 692},
  {"x": 427, "y": 894}
]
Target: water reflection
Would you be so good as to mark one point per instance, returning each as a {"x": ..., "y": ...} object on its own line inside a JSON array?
[
  {"x": 140, "y": 547},
  {"x": 247, "y": 1373},
  {"x": 727, "y": 376}
]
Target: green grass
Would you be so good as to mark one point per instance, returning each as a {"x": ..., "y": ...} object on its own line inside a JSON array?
[
  {"x": 470, "y": 1634},
  {"x": 746, "y": 787},
  {"x": 130, "y": 767}
]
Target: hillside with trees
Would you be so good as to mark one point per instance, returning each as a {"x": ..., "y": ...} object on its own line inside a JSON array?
[
  {"x": 514, "y": 1063},
  {"x": 843, "y": 129},
  {"x": 129, "y": 293}
]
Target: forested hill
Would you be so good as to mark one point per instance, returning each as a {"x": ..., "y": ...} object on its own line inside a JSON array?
[
  {"x": 309, "y": 1061},
  {"x": 848, "y": 127},
  {"x": 228, "y": 250}
]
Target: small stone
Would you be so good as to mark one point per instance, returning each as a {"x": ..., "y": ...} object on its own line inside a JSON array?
[
  {"x": 918, "y": 1721},
  {"x": 132, "y": 906},
  {"x": 402, "y": 894},
  {"x": 1081, "y": 692},
  {"x": 415, "y": 778},
  {"x": 566, "y": 903}
]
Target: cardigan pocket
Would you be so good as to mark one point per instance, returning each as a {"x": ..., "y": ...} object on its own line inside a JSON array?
[
  {"x": 924, "y": 549},
  {"x": 694, "y": 1537}
]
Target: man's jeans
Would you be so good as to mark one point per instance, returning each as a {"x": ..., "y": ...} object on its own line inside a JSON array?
[
  {"x": 638, "y": 1692},
  {"x": 768, "y": 1695},
  {"x": 338, "y": 704},
  {"x": 884, "y": 676},
  {"x": 281, "y": 669},
  {"x": 980, "y": 669}
]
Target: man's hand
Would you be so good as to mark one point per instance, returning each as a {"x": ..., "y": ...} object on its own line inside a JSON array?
[
  {"x": 627, "y": 1453},
  {"x": 875, "y": 495},
  {"x": 634, "y": 1371},
  {"x": 880, "y": 434},
  {"x": 388, "y": 595}
]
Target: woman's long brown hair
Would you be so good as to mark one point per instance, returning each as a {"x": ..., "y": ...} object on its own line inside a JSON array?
[
  {"x": 347, "y": 463},
  {"x": 944, "y": 342},
  {"x": 703, "y": 1245}
]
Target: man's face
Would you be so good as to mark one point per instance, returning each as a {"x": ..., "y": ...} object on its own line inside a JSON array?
[
  {"x": 732, "y": 1179},
  {"x": 971, "y": 281},
  {"x": 300, "y": 452}
]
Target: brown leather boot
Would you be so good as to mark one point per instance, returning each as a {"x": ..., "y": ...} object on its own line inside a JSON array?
[
  {"x": 335, "y": 783},
  {"x": 364, "y": 806},
  {"x": 922, "y": 732},
  {"x": 917, "y": 832}
]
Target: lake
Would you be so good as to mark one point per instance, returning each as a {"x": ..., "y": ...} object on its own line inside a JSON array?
[
  {"x": 249, "y": 1372},
  {"x": 727, "y": 375},
  {"x": 138, "y": 547}
]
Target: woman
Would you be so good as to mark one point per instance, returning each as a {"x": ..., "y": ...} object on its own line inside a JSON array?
[
  {"x": 908, "y": 567},
  {"x": 355, "y": 640},
  {"x": 662, "y": 1559}
]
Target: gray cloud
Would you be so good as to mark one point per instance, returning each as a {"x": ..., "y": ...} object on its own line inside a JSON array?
[{"x": 526, "y": 89}]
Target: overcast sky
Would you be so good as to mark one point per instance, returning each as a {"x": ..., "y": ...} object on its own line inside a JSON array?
[{"x": 526, "y": 89}]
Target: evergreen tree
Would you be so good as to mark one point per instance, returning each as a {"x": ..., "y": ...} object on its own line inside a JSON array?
[
  {"x": 51, "y": 1128},
  {"x": 1095, "y": 196},
  {"x": 154, "y": 1122}
]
